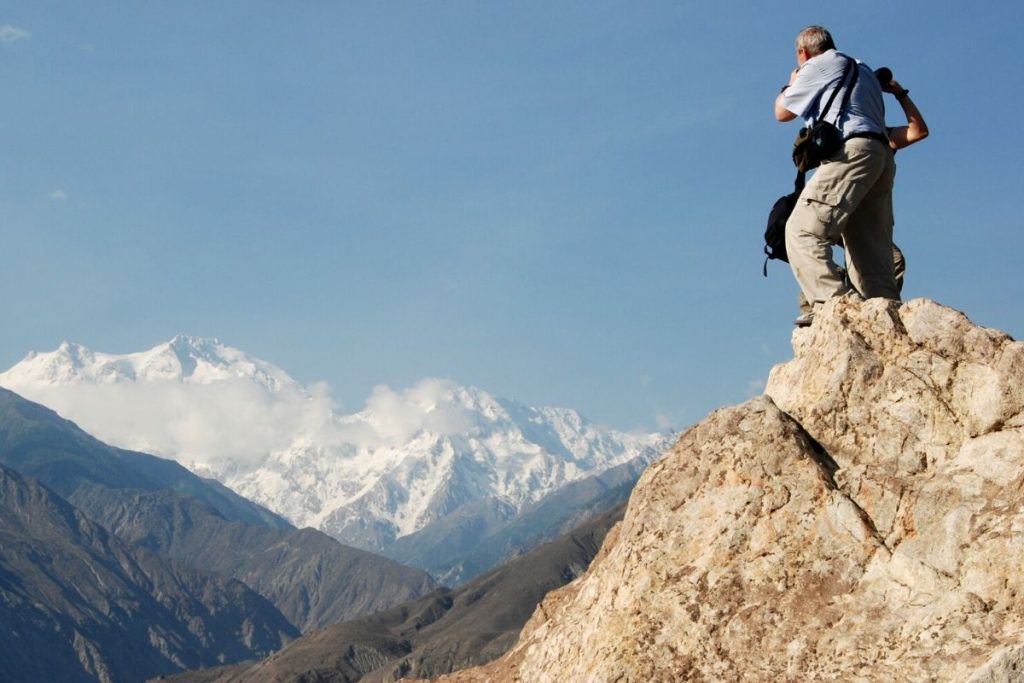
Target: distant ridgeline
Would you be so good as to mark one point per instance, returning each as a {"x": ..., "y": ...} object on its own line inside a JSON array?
[
  {"x": 121, "y": 566},
  {"x": 442, "y": 477}
]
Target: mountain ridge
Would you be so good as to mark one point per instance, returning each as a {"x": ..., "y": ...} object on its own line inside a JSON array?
[
  {"x": 410, "y": 459},
  {"x": 185, "y": 358},
  {"x": 36, "y": 441},
  {"x": 448, "y": 629},
  {"x": 103, "y": 610}
]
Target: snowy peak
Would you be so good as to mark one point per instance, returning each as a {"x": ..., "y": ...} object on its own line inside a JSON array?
[
  {"x": 186, "y": 353},
  {"x": 204, "y": 360},
  {"x": 187, "y": 359},
  {"x": 438, "y": 408},
  {"x": 63, "y": 366}
]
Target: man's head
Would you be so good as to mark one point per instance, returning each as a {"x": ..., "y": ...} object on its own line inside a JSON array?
[{"x": 811, "y": 42}]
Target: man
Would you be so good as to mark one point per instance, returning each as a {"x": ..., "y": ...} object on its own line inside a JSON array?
[
  {"x": 850, "y": 195},
  {"x": 914, "y": 131}
]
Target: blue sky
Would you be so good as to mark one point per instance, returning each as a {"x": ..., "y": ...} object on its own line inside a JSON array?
[{"x": 559, "y": 202}]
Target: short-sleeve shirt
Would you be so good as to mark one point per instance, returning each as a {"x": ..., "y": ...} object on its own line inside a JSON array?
[{"x": 818, "y": 77}]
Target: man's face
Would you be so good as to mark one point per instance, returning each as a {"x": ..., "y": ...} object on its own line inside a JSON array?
[{"x": 801, "y": 56}]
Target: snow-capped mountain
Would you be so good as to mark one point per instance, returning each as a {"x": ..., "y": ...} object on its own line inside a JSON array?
[
  {"x": 412, "y": 458},
  {"x": 409, "y": 459},
  {"x": 193, "y": 360}
]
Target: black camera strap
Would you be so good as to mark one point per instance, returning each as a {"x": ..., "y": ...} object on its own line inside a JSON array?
[{"x": 851, "y": 65}]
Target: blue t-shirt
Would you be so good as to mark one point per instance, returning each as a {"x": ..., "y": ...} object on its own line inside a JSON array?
[{"x": 818, "y": 77}]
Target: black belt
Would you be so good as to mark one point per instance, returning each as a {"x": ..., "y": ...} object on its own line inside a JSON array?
[{"x": 870, "y": 136}]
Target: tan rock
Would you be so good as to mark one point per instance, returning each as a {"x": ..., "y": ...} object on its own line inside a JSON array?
[{"x": 863, "y": 521}]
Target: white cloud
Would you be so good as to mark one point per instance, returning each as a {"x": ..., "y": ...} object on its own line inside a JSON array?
[
  {"x": 664, "y": 421},
  {"x": 12, "y": 34},
  {"x": 393, "y": 417},
  {"x": 755, "y": 387},
  {"x": 193, "y": 423},
  {"x": 238, "y": 422},
  {"x": 59, "y": 196}
]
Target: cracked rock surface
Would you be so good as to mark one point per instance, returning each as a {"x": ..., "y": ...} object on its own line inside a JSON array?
[{"x": 862, "y": 521}]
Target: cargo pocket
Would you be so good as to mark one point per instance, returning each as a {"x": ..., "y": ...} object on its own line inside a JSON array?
[{"x": 824, "y": 199}]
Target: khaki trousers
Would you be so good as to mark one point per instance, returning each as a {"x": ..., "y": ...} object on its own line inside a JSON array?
[
  {"x": 849, "y": 198},
  {"x": 899, "y": 261}
]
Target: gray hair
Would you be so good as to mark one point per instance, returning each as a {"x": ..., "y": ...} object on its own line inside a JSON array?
[{"x": 815, "y": 39}]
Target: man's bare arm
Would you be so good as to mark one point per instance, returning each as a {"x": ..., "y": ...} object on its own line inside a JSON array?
[
  {"x": 781, "y": 113},
  {"x": 916, "y": 128}
]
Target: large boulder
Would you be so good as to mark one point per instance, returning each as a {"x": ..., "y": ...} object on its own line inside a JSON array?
[{"x": 862, "y": 521}]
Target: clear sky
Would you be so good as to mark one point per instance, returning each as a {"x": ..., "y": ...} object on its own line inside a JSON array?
[{"x": 558, "y": 202}]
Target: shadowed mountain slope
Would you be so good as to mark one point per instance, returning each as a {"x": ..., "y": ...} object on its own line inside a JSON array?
[
  {"x": 36, "y": 441},
  {"x": 444, "y": 631},
  {"x": 544, "y": 521},
  {"x": 78, "y": 604},
  {"x": 314, "y": 580}
]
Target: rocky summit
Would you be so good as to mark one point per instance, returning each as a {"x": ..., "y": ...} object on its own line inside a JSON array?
[{"x": 862, "y": 521}]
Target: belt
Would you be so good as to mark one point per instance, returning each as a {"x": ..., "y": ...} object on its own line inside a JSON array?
[{"x": 870, "y": 136}]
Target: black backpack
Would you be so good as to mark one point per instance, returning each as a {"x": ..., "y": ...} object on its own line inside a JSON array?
[{"x": 775, "y": 233}]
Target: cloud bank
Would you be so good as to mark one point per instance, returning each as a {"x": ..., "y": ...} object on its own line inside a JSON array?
[
  {"x": 237, "y": 423},
  {"x": 12, "y": 34},
  {"x": 196, "y": 424},
  {"x": 391, "y": 417}
]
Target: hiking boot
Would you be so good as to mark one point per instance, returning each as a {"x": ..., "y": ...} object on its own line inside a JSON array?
[{"x": 804, "y": 320}]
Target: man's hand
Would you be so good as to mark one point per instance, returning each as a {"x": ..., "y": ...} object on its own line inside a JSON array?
[
  {"x": 781, "y": 113},
  {"x": 893, "y": 87}
]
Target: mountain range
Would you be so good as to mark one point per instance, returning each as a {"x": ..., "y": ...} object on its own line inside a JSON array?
[
  {"x": 425, "y": 475},
  {"x": 97, "y": 542}
]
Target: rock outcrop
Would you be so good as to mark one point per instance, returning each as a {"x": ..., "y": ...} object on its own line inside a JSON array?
[{"x": 862, "y": 521}]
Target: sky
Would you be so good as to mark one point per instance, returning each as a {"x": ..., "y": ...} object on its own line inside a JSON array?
[{"x": 558, "y": 202}]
